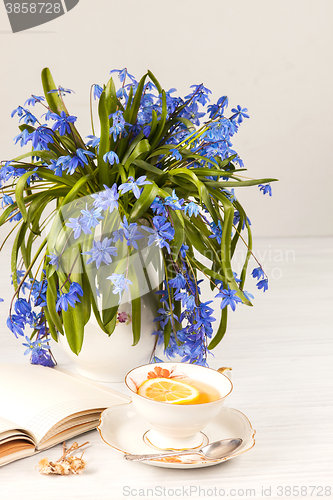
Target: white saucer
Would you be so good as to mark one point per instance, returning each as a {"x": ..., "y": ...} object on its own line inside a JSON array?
[{"x": 123, "y": 429}]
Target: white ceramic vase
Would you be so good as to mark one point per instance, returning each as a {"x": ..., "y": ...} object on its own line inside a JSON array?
[{"x": 109, "y": 359}]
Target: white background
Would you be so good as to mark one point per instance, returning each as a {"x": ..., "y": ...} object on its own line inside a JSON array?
[{"x": 273, "y": 57}]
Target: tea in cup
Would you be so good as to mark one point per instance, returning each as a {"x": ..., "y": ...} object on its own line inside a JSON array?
[{"x": 177, "y": 400}]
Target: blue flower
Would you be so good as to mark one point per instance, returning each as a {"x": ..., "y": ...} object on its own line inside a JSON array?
[
  {"x": 42, "y": 357},
  {"x": 265, "y": 188},
  {"x": 62, "y": 122},
  {"x": 90, "y": 218},
  {"x": 175, "y": 154},
  {"x": 80, "y": 159},
  {"x": 78, "y": 225},
  {"x": 42, "y": 136},
  {"x": 160, "y": 233},
  {"x": 16, "y": 324},
  {"x": 111, "y": 157},
  {"x": 101, "y": 252},
  {"x": 6, "y": 200},
  {"x": 258, "y": 273},
  {"x": 22, "y": 138},
  {"x": 263, "y": 284},
  {"x": 229, "y": 298},
  {"x": 166, "y": 315},
  {"x": 239, "y": 114},
  {"x": 173, "y": 201},
  {"x": 97, "y": 91},
  {"x": 107, "y": 199},
  {"x": 216, "y": 230},
  {"x": 158, "y": 207},
  {"x": 31, "y": 101},
  {"x": 120, "y": 283},
  {"x": 183, "y": 250},
  {"x": 122, "y": 73},
  {"x": 93, "y": 141},
  {"x": 132, "y": 185},
  {"x": 192, "y": 209},
  {"x": 67, "y": 299},
  {"x": 35, "y": 347},
  {"x": 178, "y": 282},
  {"x": 61, "y": 91},
  {"x": 130, "y": 232},
  {"x": 23, "y": 308},
  {"x": 118, "y": 125},
  {"x": 54, "y": 260}
]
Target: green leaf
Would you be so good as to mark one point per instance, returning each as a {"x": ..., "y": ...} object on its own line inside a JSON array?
[
  {"x": 160, "y": 127},
  {"x": 231, "y": 184},
  {"x": 155, "y": 81},
  {"x": 148, "y": 166},
  {"x": 221, "y": 330},
  {"x": 104, "y": 146},
  {"x": 73, "y": 320},
  {"x": 179, "y": 237},
  {"x": 51, "y": 300},
  {"x": 142, "y": 147},
  {"x": 20, "y": 186},
  {"x": 53, "y": 99},
  {"x": 136, "y": 101},
  {"x": 136, "y": 320},
  {"x": 141, "y": 205},
  {"x": 50, "y": 324}
]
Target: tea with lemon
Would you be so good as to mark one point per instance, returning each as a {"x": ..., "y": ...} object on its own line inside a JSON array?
[{"x": 185, "y": 391}]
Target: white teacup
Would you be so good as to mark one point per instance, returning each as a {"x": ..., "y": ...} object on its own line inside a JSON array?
[{"x": 177, "y": 426}]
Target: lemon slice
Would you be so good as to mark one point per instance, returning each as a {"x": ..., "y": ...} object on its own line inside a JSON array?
[{"x": 166, "y": 390}]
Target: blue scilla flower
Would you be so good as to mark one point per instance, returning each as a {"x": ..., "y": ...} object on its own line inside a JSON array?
[
  {"x": 23, "y": 307},
  {"x": 161, "y": 233},
  {"x": 199, "y": 94},
  {"x": 173, "y": 201},
  {"x": 63, "y": 122},
  {"x": 6, "y": 200},
  {"x": 258, "y": 273},
  {"x": 118, "y": 125},
  {"x": 216, "y": 230},
  {"x": 20, "y": 111},
  {"x": 191, "y": 112},
  {"x": 130, "y": 232},
  {"x": 229, "y": 298},
  {"x": 38, "y": 292},
  {"x": 133, "y": 185},
  {"x": 218, "y": 108},
  {"x": 239, "y": 114},
  {"x": 266, "y": 188},
  {"x": 93, "y": 141},
  {"x": 31, "y": 101},
  {"x": 158, "y": 207},
  {"x": 192, "y": 209},
  {"x": 174, "y": 153},
  {"x": 101, "y": 251},
  {"x": 122, "y": 73},
  {"x": 111, "y": 157},
  {"x": 237, "y": 219},
  {"x": 35, "y": 346},
  {"x": 97, "y": 91},
  {"x": 78, "y": 225},
  {"x": 25, "y": 285},
  {"x": 22, "y": 138},
  {"x": 263, "y": 285},
  {"x": 42, "y": 357},
  {"x": 120, "y": 283},
  {"x": 178, "y": 281},
  {"x": 61, "y": 91},
  {"x": 54, "y": 260},
  {"x": 165, "y": 315},
  {"x": 91, "y": 218},
  {"x": 183, "y": 250},
  {"x": 80, "y": 159},
  {"x": 28, "y": 118},
  {"x": 107, "y": 199},
  {"x": 16, "y": 324},
  {"x": 65, "y": 300},
  {"x": 41, "y": 137}
]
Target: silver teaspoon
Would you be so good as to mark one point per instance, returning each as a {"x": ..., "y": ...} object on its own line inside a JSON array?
[{"x": 212, "y": 451}]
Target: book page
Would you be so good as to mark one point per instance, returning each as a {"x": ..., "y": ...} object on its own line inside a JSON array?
[{"x": 36, "y": 397}]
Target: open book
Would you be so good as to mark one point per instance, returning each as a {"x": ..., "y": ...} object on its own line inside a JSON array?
[{"x": 41, "y": 407}]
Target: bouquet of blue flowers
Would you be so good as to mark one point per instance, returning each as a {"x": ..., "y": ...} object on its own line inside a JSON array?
[{"x": 160, "y": 175}]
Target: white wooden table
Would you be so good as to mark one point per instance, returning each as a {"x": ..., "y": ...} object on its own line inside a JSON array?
[{"x": 281, "y": 352}]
